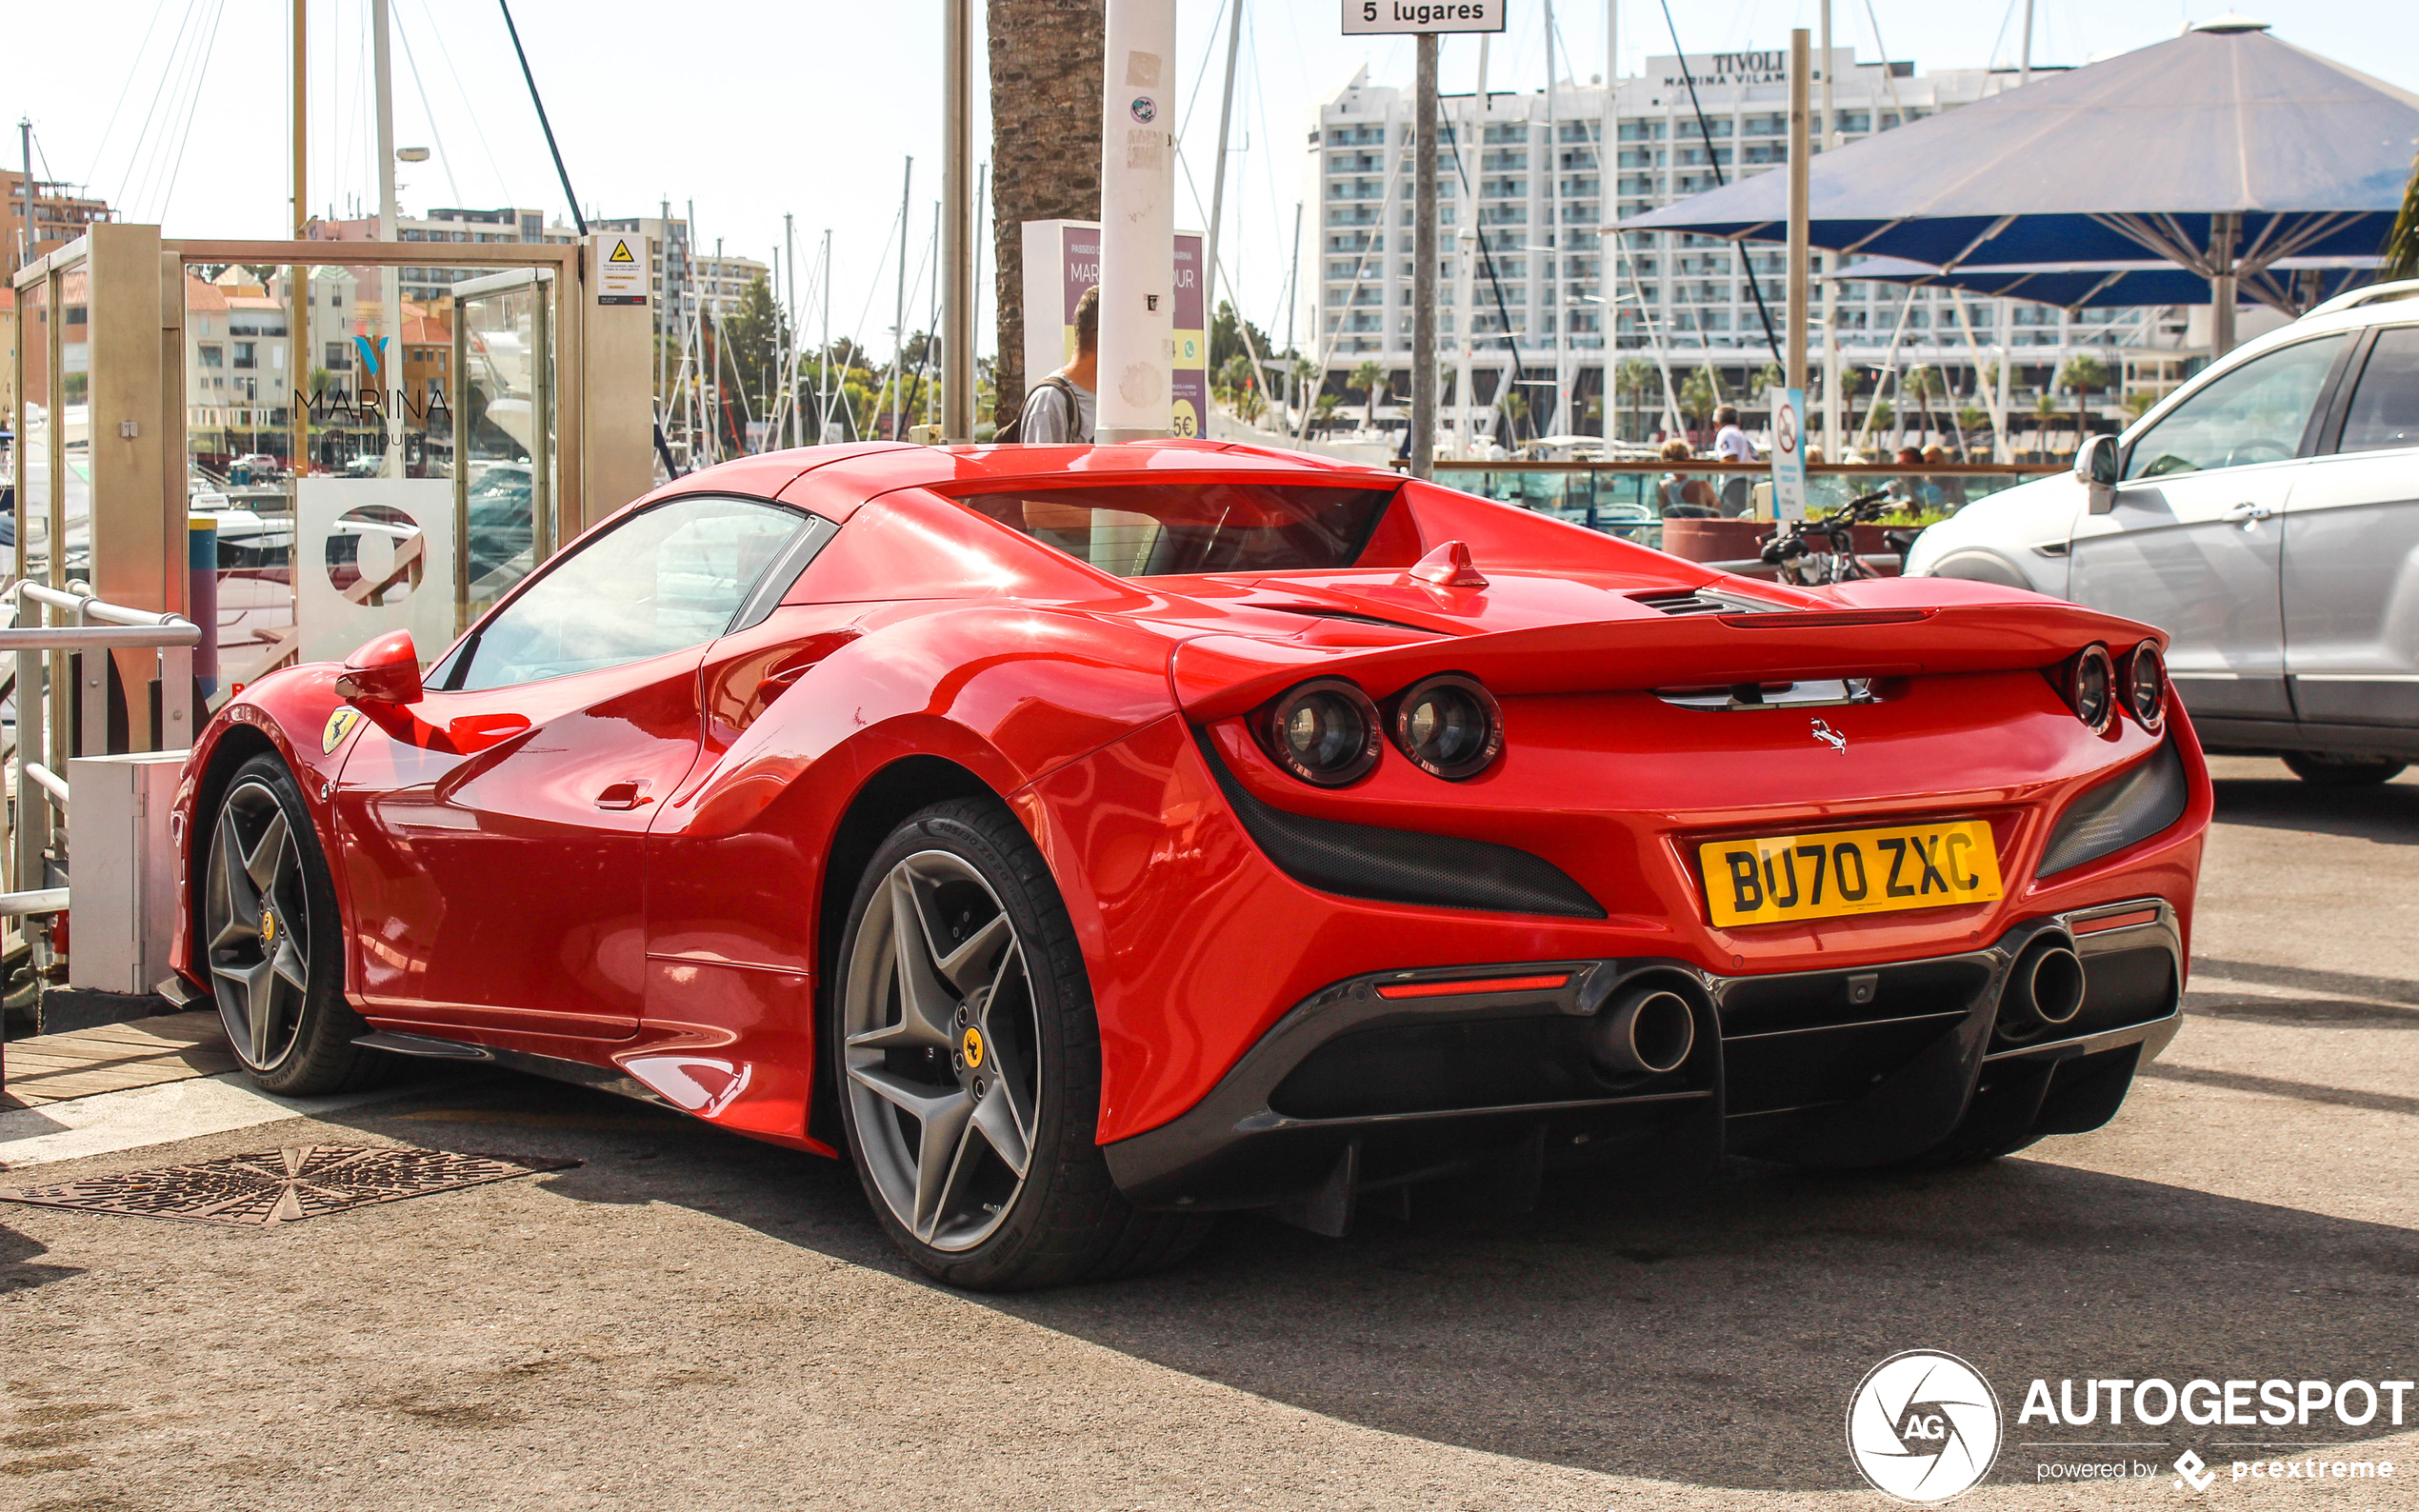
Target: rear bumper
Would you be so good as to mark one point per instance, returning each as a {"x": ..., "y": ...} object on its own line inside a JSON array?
[{"x": 1360, "y": 1089}]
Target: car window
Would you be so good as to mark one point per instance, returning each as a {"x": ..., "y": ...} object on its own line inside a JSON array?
[
  {"x": 2384, "y": 406},
  {"x": 666, "y": 578},
  {"x": 2256, "y": 414},
  {"x": 1150, "y": 529}
]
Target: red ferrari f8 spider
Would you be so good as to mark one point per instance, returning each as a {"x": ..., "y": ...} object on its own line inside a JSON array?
[{"x": 1086, "y": 840}]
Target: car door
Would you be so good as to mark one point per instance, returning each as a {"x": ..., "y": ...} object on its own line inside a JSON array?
[
  {"x": 493, "y": 834},
  {"x": 2194, "y": 542},
  {"x": 2351, "y": 550}
]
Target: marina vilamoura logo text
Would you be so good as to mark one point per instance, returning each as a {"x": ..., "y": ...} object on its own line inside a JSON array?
[{"x": 1924, "y": 1427}]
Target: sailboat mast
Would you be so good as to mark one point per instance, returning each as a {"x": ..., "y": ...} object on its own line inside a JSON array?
[
  {"x": 389, "y": 374},
  {"x": 899, "y": 318},
  {"x": 1218, "y": 184},
  {"x": 788, "y": 412},
  {"x": 823, "y": 369}
]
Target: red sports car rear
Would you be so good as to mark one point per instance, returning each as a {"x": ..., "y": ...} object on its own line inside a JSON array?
[{"x": 1090, "y": 839}]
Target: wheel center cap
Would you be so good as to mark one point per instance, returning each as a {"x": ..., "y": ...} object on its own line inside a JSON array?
[
  {"x": 269, "y": 925},
  {"x": 973, "y": 1046}
]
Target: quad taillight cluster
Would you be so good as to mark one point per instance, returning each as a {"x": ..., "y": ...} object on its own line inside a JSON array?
[
  {"x": 2096, "y": 688},
  {"x": 1327, "y": 732}
]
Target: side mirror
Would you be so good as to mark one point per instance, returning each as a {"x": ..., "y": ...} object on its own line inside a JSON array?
[
  {"x": 2095, "y": 467},
  {"x": 386, "y": 670}
]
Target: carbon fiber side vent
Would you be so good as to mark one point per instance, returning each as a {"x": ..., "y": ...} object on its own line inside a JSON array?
[
  {"x": 1698, "y": 601},
  {"x": 1402, "y": 866},
  {"x": 2126, "y": 809}
]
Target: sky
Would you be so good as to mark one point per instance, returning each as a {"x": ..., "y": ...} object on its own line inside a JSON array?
[{"x": 176, "y": 109}]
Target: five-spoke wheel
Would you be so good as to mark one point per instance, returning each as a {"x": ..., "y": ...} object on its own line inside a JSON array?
[
  {"x": 968, "y": 1062},
  {"x": 271, "y": 941},
  {"x": 940, "y": 1050},
  {"x": 258, "y": 916}
]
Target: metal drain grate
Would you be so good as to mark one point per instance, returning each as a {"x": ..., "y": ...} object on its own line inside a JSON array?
[{"x": 282, "y": 1186}]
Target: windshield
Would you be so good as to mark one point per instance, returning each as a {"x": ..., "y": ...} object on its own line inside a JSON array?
[{"x": 1161, "y": 528}]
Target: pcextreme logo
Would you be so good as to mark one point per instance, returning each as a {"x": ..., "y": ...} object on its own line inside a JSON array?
[{"x": 1924, "y": 1427}]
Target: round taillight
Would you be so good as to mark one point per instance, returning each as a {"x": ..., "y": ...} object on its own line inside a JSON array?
[
  {"x": 2092, "y": 687},
  {"x": 1449, "y": 726},
  {"x": 1324, "y": 732},
  {"x": 2146, "y": 685}
]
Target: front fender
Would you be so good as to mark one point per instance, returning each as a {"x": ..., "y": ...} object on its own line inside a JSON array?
[
  {"x": 289, "y": 712},
  {"x": 2003, "y": 531}
]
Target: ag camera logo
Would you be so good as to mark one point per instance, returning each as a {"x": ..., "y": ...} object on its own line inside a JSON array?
[{"x": 1924, "y": 1427}]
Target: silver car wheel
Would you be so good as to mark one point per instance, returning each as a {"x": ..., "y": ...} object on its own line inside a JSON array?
[
  {"x": 941, "y": 1051},
  {"x": 256, "y": 911}
]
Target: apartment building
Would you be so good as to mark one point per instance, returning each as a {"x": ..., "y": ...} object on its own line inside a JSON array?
[
  {"x": 59, "y": 216},
  {"x": 509, "y": 224},
  {"x": 1543, "y": 298}
]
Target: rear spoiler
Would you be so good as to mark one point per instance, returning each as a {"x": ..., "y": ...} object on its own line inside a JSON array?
[{"x": 1885, "y": 627}]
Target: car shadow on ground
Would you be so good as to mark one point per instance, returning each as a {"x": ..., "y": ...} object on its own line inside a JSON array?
[
  {"x": 1710, "y": 1335},
  {"x": 2387, "y": 813}
]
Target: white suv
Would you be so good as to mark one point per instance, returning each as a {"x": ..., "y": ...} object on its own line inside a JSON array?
[{"x": 2266, "y": 517}]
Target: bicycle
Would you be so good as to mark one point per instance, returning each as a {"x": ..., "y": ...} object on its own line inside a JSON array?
[{"x": 1811, "y": 553}]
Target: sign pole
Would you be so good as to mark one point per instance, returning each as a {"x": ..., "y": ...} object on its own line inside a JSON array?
[
  {"x": 1138, "y": 223},
  {"x": 1427, "y": 21},
  {"x": 1424, "y": 266}
]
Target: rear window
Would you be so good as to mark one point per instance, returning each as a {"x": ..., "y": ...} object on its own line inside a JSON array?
[{"x": 1159, "y": 529}]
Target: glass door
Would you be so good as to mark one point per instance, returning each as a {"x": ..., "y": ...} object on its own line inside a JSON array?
[{"x": 505, "y": 488}]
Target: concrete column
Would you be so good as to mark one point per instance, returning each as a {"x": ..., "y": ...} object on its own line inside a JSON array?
[{"x": 1137, "y": 222}]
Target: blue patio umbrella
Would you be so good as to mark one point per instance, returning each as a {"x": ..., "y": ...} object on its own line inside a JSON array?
[
  {"x": 2222, "y": 151},
  {"x": 2291, "y": 285}
]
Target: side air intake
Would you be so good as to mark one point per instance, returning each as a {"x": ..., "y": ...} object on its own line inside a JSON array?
[{"x": 2126, "y": 809}]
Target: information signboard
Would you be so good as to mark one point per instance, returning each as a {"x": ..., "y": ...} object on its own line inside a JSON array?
[
  {"x": 1062, "y": 259},
  {"x": 1364, "y": 18}
]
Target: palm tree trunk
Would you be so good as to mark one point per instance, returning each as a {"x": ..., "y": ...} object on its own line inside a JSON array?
[{"x": 1045, "y": 84}]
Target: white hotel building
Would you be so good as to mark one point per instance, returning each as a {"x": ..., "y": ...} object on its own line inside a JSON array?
[{"x": 1525, "y": 172}]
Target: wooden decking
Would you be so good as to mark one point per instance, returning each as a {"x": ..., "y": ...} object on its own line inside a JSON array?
[{"x": 55, "y": 1067}]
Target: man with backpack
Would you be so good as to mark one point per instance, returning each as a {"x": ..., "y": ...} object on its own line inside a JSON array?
[{"x": 1059, "y": 409}]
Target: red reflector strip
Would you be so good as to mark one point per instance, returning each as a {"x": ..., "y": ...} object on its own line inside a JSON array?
[
  {"x": 1823, "y": 619},
  {"x": 1452, "y": 989},
  {"x": 2118, "y": 921}
]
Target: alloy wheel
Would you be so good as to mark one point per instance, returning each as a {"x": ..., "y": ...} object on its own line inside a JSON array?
[
  {"x": 941, "y": 1050},
  {"x": 256, "y": 911}
]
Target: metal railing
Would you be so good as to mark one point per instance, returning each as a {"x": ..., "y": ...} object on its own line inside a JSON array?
[
  {"x": 1634, "y": 499},
  {"x": 63, "y": 710}
]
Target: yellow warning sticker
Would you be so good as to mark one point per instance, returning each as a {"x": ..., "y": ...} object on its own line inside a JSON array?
[{"x": 620, "y": 254}]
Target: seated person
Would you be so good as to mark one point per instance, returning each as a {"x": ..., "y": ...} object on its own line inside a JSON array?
[
  {"x": 1685, "y": 497},
  {"x": 1948, "y": 492}
]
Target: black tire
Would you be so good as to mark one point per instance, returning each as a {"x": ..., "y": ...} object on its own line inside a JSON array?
[
  {"x": 300, "y": 1042},
  {"x": 2322, "y": 770},
  {"x": 1061, "y": 1221}
]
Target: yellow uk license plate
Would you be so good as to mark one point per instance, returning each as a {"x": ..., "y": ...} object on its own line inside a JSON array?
[{"x": 1785, "y": 878}]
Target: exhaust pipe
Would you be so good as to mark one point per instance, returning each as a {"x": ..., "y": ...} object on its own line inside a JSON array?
[
  {"x": 2044, "y": 991},
  {"x": 1646, "y": 1029}
]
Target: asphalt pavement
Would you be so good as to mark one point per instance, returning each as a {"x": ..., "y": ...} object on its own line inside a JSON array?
[{"x": 690, "y": 1320}]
